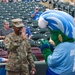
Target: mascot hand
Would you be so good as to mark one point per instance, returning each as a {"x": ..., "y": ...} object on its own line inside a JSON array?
[
  {"x": 45, "y": 49},
  {"x": 46, "y": 44}
]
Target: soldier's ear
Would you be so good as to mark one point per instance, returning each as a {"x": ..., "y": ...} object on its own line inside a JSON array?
[{"x": 60, "y": 38}]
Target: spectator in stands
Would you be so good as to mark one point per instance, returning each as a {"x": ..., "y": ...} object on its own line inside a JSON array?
[
  {"x": 71, "y": 2},
  {"x": 5, "y": 30},
  {"x": 27, "y": 32},
  {"x": 36, "y": 14}
]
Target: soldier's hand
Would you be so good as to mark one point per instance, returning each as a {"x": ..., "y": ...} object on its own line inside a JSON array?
[
  {"x": 23, "y": 35},
  {"x": 33, "y": 71}
]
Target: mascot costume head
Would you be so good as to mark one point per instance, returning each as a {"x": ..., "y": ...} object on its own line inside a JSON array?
[
  {"x": 62, "y": 29},
  {"x": 59, "y": 23}
]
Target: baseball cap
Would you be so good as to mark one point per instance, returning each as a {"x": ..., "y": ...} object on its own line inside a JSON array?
[
  {"x": 36, "y": 7},
  {"x": 17, "y": 22}
]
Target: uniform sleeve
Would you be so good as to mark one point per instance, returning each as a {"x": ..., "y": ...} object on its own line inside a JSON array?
[
  {"x": 30, "y": 58},
  {"x": 9, "y": 44}
]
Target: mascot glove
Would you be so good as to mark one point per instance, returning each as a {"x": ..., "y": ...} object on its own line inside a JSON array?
[
  {"x": 44, "y": 44},
  {"x": 45, "y": 49}
]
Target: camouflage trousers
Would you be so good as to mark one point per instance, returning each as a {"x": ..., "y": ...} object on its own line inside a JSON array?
[{"x": 16, "y": 73}]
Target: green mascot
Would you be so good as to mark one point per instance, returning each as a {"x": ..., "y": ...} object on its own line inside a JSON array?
[{"x": 60, "y": 61}]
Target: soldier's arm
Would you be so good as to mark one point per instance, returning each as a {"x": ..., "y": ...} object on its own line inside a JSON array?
[{"x": 9, "y": 44}]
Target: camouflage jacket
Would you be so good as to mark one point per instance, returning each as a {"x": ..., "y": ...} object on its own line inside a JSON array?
[{"x": 19, "y": 53}]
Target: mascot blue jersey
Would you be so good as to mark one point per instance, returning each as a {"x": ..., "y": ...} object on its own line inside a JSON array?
[{"x": 62, "y": 61}]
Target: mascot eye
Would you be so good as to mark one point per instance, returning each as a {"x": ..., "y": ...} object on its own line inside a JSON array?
[{"x": 42, "y": 23}]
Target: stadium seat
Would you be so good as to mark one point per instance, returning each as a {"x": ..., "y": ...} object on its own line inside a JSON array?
[
  {"x": 3, "y": 53},
  {"x": 42, "y": 31},
  {"x": 46, "y": 35},
  {"x": 37, "y": 43},
  {"x": 32, "y": 42},
  {"x": 28, "y": 21},
  {"x": 37, "y": 52},
  {"x": 36, "y": 35},
  {"x": 31, "y": 28},
  {"x": 34, "y": 25},
  {"x": 72, "y": 10}
]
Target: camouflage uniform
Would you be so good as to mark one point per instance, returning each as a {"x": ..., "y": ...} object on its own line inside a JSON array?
[{"x": 19, "y": 55}]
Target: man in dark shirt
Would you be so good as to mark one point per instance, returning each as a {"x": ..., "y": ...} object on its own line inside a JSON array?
[{"x": 5, "y": 30}]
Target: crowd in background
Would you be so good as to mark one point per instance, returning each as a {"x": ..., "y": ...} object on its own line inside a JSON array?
[{"x": 72, "y": 2}]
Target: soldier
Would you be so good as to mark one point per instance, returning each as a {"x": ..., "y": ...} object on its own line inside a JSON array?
[{"x": 19, "y": 51}]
